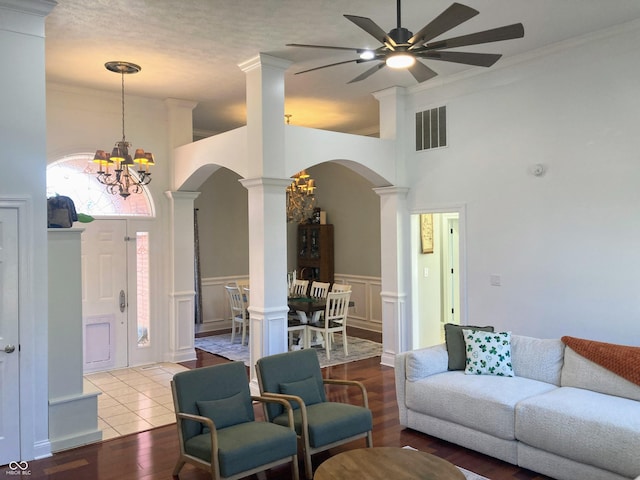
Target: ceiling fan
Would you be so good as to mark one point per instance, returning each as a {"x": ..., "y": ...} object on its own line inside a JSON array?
[{"x": 402, "y": 48}]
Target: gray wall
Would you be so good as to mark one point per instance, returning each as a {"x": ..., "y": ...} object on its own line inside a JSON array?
[
  {"x": 354, "y": 210},
  {"x": 223, "y": 225},
  {"x": 351, "y": 205}
]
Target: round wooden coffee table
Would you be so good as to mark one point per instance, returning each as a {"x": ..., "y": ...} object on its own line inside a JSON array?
[{"x": 386, "y": 463}]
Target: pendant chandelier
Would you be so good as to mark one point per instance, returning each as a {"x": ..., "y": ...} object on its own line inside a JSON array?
[
  {"x": 301, "y": 199},
  {"x": 123, "y": 181}
]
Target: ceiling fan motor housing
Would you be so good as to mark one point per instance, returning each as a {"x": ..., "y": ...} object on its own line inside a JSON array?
[{"x": 400, "y": 35}]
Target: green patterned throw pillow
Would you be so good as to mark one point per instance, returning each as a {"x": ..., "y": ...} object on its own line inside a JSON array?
[{"x": 488, "y": 353}]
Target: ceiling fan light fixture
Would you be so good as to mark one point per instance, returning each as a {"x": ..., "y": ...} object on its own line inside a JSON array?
[
  {"x": 400, "y": 60},
  {"x": 367, "y": 55}
]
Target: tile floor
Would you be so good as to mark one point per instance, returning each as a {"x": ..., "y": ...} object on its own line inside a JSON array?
[{"x": 134, "y": 399}]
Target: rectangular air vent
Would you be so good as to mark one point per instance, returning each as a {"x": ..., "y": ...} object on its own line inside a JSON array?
[{"x": 431, "y": 129}]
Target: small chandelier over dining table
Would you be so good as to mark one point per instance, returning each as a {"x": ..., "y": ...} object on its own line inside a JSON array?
[
  {"x": 301, "y": 199},
  {"x": 122, "y": 181}
]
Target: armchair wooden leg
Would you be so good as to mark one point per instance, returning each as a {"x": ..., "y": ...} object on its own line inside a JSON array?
[
  {"x": 308, "y": 466},
  {"x": 306, "y": 450},
  {"x": 179, "y": 464},
  {"x": 294, "y": 468}
]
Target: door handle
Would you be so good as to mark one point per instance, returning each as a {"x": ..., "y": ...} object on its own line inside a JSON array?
[
  {"x": 9, "y": 349},
  {"x": 123, "y": 301}
]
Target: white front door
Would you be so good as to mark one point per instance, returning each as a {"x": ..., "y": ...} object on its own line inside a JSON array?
[
  {"x": 104, "y": 295},
  {"x": 9, "y": 341}
]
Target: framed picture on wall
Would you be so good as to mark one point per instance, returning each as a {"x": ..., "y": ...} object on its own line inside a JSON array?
[{"x": 426, "y": 232}]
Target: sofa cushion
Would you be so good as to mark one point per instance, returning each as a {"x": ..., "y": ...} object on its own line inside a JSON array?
[
  {"x": 537, "y": 358},
  {"x": 583, "y": 373},
  {"x": 584, "y": 426},
  {"x": 456, "y": 347},
  {"x": 488, "y": 353},
  {"x": 481, "y": 402}
]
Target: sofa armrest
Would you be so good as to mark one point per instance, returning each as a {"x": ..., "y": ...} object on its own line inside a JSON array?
[
  {"x": 414, "y": 365},
  {"x": 425, "y": 362}
]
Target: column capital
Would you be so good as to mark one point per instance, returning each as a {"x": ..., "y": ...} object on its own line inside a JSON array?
[
  {"x": 179, "y": 195},
  {"x": 250, "y": 183},
  {"x": 393, "y": 190},
  {"x": 263, "y": 59}
]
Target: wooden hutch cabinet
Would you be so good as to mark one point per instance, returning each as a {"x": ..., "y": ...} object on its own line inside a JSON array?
[{"x": 315, "y": 252}]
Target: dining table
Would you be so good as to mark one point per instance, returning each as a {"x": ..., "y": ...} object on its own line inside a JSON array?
[{"x": 306, "y": 306}]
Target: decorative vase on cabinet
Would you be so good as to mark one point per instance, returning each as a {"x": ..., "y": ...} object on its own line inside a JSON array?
[{"x": 315, "y": 252}]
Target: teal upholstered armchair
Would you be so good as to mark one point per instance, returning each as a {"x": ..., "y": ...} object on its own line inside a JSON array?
[
  {"x": 320, "y": 424},
  {"x": 217, "y": 428}
]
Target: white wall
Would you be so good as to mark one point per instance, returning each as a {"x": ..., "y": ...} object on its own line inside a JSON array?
[
  {"x": 565, "y": 244},
  {"x": 22, "y": 136}
]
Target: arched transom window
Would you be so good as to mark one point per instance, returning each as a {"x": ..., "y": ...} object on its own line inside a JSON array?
[{"x": 74, "y": 176}]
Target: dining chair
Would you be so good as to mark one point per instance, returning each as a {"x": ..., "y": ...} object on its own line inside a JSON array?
[
  {"x": 299, "y": 288},
  {"x": 295, "y": 321},
  {"x": 238, "y": 312},
  {"x": 340, "y": 287},
  {"x": 320, "y": 424},
  {"x": 335, "y": 320},
  {"x": 294, "y": 324},
  {"x": 242, "y": 284},
  {"x": 217, "y": 429},
  {"x": 318, "y": 290}
]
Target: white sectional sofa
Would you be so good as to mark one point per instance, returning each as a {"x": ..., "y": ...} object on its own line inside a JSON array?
[{"x": 560, "y": 414}]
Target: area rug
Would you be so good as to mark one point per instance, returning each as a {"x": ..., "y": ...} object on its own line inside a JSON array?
[
  {"x": 468, "y": 475},
  {"x": 359, "y": 349}
]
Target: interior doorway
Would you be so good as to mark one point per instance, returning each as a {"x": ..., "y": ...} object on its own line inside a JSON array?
[{"x": 437, "y": 274}]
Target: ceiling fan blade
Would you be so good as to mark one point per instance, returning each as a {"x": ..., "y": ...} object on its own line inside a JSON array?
[
  {"x": 325, "y": 46},
  {"x": 450, "y": 18},
  {"x": 326, "y": 66},
  {"x": 479, "y": 59},
  {"x": 372, "y": 29},
  {"x": 421, "y": 72},
  {"x": 368, "y": 72},
  {"x": 507, "y": 32}
]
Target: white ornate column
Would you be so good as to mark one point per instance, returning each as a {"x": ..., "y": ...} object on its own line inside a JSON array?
[
  {"x": 266, "y": 182},
  {"x": 395, "y": 226},
  {"x": 181, "y": 330},
  {"x": 268, "y": 307},
  {"x": 395, "y": 269}
]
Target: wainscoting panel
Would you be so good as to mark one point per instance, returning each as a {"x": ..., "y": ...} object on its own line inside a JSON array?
[
  {"x": 216, "y": 314},
  {"x": 366, "y": 312},
  {"x": 365, "y": 294}
]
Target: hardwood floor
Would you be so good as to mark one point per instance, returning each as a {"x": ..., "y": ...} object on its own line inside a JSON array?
[{"x": 151, "y": 455}]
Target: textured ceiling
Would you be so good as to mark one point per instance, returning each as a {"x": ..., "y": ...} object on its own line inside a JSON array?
[{"x": 190, "y": 49}]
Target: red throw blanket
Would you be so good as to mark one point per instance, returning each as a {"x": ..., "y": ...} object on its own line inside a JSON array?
[{"x": 622, "y": 360}]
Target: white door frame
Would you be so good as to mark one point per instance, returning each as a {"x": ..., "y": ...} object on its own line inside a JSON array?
[
  {"x": 9, "y": 337},
  {"x": 33, "y": 383},
  {"x": 460, "y": 209}
]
